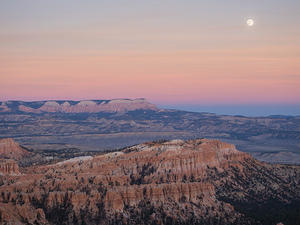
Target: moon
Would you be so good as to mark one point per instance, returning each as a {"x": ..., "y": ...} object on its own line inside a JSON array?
[{"x": 250, "y": 22}]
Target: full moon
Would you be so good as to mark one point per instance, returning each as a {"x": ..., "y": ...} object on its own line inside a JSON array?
[{"x": 250, "y": 22}]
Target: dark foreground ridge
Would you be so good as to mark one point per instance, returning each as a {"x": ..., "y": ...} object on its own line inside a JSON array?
[{"x": 166, "y": 182}]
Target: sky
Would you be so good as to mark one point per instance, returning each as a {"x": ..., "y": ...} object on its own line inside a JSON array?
[{"x": 187, "y": 54}]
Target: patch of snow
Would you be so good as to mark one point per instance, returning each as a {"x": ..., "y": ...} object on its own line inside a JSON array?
[
  {"x": 174, "y": 142},
  {"x": 76, "y": 159},
  {"x": 113, "y": 154}
]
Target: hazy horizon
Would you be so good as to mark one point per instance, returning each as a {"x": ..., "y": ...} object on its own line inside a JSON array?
[
  {"x": 171, "y": 52},
  {"x": 220, "y": 109},
  {"x": 242, "y": 110}
]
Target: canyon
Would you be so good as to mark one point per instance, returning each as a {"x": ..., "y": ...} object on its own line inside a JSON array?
[
  {"x": 199, "y": 181},
  {"x": 60, "y": 127}
]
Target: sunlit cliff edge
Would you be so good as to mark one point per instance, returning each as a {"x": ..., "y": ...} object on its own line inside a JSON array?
[{"x": 191, "y": 182}]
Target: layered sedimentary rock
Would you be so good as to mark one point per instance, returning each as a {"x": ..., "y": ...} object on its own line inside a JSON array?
[
  {"x": 9, "y": 149},
  {"x": 174, "y": 182},
  {"x": 273, "y": 139},
  {"x": 8, "y": 167},
  {"x": 85, "y": 106}
]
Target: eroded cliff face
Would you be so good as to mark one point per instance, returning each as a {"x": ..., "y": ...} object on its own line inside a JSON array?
[
  {"x": 185, "y": 182},
  {"x": 9, "y": 149},
  {"x": 8, "y": 167},
  {"x": 85, "y": 106}
]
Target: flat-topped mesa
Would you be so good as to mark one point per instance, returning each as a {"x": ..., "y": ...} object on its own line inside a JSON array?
[
  {"x": 168, "y": 164},
  {"x": 180, "y": 179},
  {"x": 154, "y": 170},
  {"x": 88, "y": 106},
  {"x": 209, "y": 150},
  {"x": 9, "y": 149},
  {"x": 161, "y": 166},
  {"x": 183, "y": 157},
  {"x": 187, "y": 157}
]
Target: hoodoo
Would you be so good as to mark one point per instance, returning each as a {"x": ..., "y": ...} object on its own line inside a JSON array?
[{"x": 166, "y": 182}]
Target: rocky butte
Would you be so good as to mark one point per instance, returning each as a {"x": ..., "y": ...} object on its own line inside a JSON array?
[
  {"x": 9, "y": 149},
  {"x": 166, "y": 182},
  {"x": 10, "y": 152}
]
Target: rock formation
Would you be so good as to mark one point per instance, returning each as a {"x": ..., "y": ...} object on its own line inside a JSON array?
[
  {"x": 9, "y": 149},
  {"x": 112, "y": 124},
  {"x": 167, "y": 182},
  {"x": 8, "y": 167},
  {"x": 85, "y": 106}
]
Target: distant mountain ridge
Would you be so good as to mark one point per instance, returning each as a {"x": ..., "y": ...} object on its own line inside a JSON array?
[
  {"x": 97, "y": 125},
  {"x": 83, "y": 106}
]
